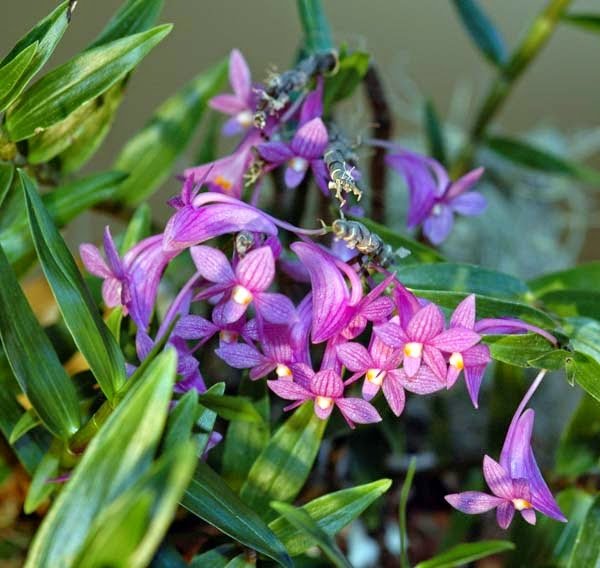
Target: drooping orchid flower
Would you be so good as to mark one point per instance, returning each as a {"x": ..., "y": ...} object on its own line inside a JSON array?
[{"x": 516, "y": 481}]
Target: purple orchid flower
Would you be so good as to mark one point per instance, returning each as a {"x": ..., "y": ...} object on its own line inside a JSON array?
[
  {"x": 304, "y": 151},
  {"x": 239, "y": 104},
  {"x": 326, "y": 389},
  {"x": 245, "y": 284},
  {"x": 424, "y": 339},
  {"x": 473, "y": 360},
  {"x": 516, "y": 482},
  {"x": 116, "y": 285},
  {"x": 434, "y": 199}
]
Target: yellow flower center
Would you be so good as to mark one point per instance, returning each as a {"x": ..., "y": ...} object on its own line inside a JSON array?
[
  {"x": 227, "y": 336},
  {"x": 456, "y": 360},
  {"x": 375, "y": 376},
  {"x": 283, "y": 371},
  {"x": 244, "y": 118},
  {"x": 298, "y": 164},
  {"x": 413, "y": 349},
  {"x": 521, "y": 504},
  {"x": 241, "y": 295},
  {"x": 223, "y": 183},
  {"x": 324, "y": 402}
]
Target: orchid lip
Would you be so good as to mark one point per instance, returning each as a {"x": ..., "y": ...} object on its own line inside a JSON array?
[
  {"x": 298, "y": 164},
  {"x": 436, "y": 209},
  {"x": 241, "y": 295},
  {"x": 521, "y": 504},
  {"x": 375, "y": 376},
  {"x": 324, "y": 402},
  {"x": 413, "y": 349},
  {"x": 227, "y": 336},
  {"x": 456, "y": 360},
  {"x": 283, "y": 371},
  {"x": 244, "y": 118}
]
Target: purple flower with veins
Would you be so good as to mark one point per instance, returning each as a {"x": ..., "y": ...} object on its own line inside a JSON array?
[
  {"x": 239, "y": 104},
  {"x": 424, "y": 339},
  {"x": 473, "y": 360},
  {"x": 516, "y": 482},
  {"x": 116, "y": 285},
  {"x": 434, "y": 199},
  {"x": 326, "y": 390},
  {"x": 245, "y": 284}
]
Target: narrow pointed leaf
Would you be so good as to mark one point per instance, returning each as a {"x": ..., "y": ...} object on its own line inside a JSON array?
[
  {"x": 435, "y": 133},
  {"x": 117, "y": 457},
  {"x": 585, "y": 371},
  {"x": 206, "y": 420},
  {"x": 589, "y": 22},
  {"x": 569, "y": 303},
  {"x": 586, "y": 550},
  {"x": 537, "y": 159},
  {"x": 331, "y": 512},
  {"x": 231, "y": 407},
  {"x": 301, "y": 520},
  {"x": 28, "y": 421},
  {"x": 582, "y": 277},
  {"x": 518, "y": 350},
  {"x": 138, "y": 228},
  {"x": 282, "y": 468},
  {"x": 150, "y": 155},
  {"x": 465, "y": 553},
  {"x": 45, "y": 35},
  {"x": 7, "y": 173},
  {"x": 75, "y": 302},
  {"x": 181, "y": 420},
  {"x": 11, "y": 73},
  {"x": 83, "y": 78},
  {"x": 482, "y": 31},
  {"x": 33, "y": 360},
  {"x": 132, "y": 17},
  {"x": 40, "y": 489},
  {"x": 317, "y": 34},
  {"x": 211, "y": 499},
  {"x": 351, "y": 71}
]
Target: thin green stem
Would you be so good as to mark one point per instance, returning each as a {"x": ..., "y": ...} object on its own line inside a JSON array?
[
  {"x": 315, "y": 25},
  {"x": 404, "y": 493},
  {"x": 536, "y": 38}
]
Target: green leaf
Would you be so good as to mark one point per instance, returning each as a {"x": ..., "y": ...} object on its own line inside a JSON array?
[
  {"x": 300, "y": 519},
  {"x": 7, "y": 172},
  {"x": 332, "y": 513},
  {"x": 240, "y": 561},
  {"x": 435, "y": 133},
  {"x": 404, "y": 494},
  {"x": 231, "y": 407},
  {"x": 87, "y": 135},
  {"x": 245, "y": 441},
  {"x": 283, "y": 466},
  {"x": 586, "y": 550},
  {"x": 586, "y": 372},
  {"x": 150, "y": 155},
  {"x": 63, "y": 204},
  {"x": 128, "y": 531},
  {"x": 45, "y": 36},
  {"x": 589, "y": 22},
  {"x": 518, "y": 350},
  {"x": 74, "y": 300},
  {"x": 216, "y": 558},
  {"x": 209, "y": 146},
  {"x": 113, "y": 322},
  {"x": 28, "y": 421},
  {"x": 211, "y": 499},
  {"x": 488, "y": 307},
  {"x": 206, "y": 420},
  {"x": 579, "y": 448},
  {"x": 32, "y": 446},
  {"x": 86, "y": 76},
  {"x": 133, "y": 17},
  {"x": 351, "y": 71},
  {"x": 117, "y": 457},
  {"x": 569, "y": 303},
  {"x": 40, "y": 489},
  {"x": 467, "y": 278},
  {"x": 181, "y": 420},
  {"x": 317, "y": 35},
  {"x": 419, "y": 252},
  {"x": 12, "y": 72},
  {"x": 138, "y": 228},
  {"x": 465, "y": 553},
  {"x": 582, "y": 277},
  {"x": 33, "y": 360},
  {"x": 482, "y": 31},
  {"x": 584, "y": 334},
  {"x": 531, "y": 157}
]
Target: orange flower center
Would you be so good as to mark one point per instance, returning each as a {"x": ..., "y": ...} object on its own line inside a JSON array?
[
  {"x": 223, "y": 183},
  {"x": 413, "y": 349},
  {"x": 241, "y": 295},
  {"x": 521, "y": 504},
  {"x": 456, "y": 360},
  {"x": 375, "y": 376},
  {"x": 283, "y": 371},
  {"x": 324, "y": 402}
]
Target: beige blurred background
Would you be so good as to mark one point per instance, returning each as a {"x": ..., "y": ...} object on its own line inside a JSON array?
[{"x": 422, "y": 38}]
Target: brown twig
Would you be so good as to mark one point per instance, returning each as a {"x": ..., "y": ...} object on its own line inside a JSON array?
[{"x": 382, "y": 130}]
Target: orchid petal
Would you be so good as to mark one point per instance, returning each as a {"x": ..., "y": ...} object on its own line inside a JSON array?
[
  {"x": 194, "y": 327},
  {"x": 391, "y": 334},
  {"x": 464, "y": 183},
  {"x": 257, "y": 269},
  {"x": 355, "y": 357},
  {"x": 497, "y": 478},
  {"x": 227, "y": 103},
  {"x": 424, "y": 382},
  {"x": 212, "y": 264},
  {"x": 327, "y": 383},
  {"x": 358, "y": 410},
  {"x": 505, "y": 514},
  {"x": 455, "y": 340},
  {"x": 394, "y": 392},
  {"x": 474, "y": 502},
  {"x": 425, "y": 324},
  {"x": 469, "y": 204},
  {"x": 239, "y": 75},
  {"x": 310, "y": 140},
  {"x": 293, "y": 177},
  {"x": 275, "y": 152},
  {"x": 240, "y": 355},
  {"x": 438, "y": 225},
  {"x": 464, "y": 314},
  {"x": 288, "y": 390},
  {"x": 93, "y": 261},
  {"x": 275, "y": 308},
  {"x": 434, "y": 359}
]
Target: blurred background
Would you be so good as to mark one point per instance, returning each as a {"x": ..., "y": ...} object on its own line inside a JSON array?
[{"x": 422, "y": 51}]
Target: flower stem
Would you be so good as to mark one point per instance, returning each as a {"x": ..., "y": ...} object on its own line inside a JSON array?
[
  {"x": 315, "y": 25},
  {"x": 536, "y": 38}
]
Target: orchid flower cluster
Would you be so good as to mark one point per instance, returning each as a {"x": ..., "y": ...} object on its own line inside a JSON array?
[{"x": 265, "y": 293}]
